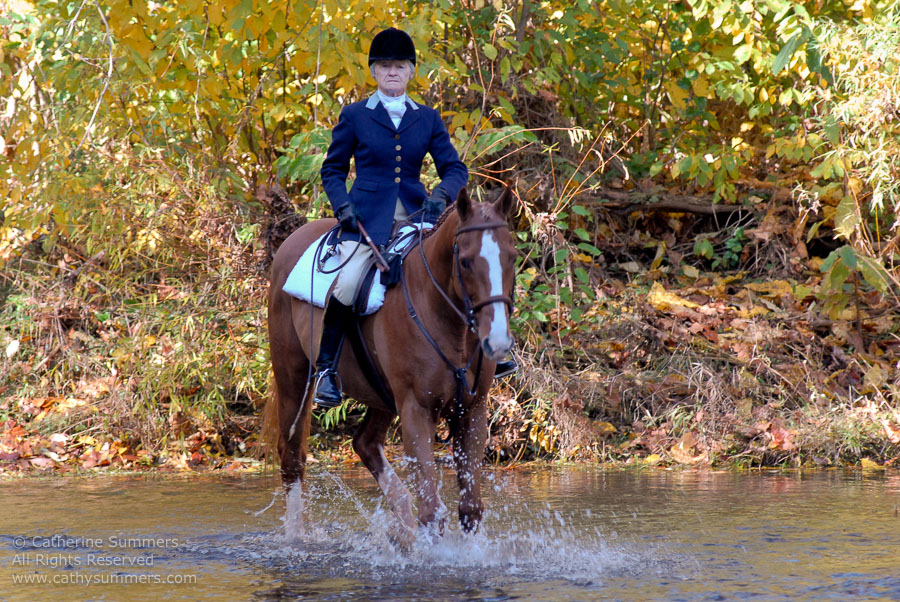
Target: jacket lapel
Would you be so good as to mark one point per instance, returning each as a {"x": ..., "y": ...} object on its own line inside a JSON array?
[
  {"x": 410, "y": 117},
  {"x": 380, "y": 116}
]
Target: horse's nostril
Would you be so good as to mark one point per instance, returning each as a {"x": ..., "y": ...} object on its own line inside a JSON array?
[{"x": 491, "y": 352}]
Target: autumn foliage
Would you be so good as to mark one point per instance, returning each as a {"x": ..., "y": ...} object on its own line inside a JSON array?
[{"x": 708, "y": 218}]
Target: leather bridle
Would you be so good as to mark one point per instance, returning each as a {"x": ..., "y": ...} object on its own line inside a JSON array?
[
  {"x": 468, "y": 315},
  {"x": 470, "y": 309}
]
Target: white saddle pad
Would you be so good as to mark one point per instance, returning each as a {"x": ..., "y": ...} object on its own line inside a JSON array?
[{"x": 305, "y": 285}]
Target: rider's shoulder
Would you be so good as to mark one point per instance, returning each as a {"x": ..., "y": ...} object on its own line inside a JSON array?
[{"x": 354, "y": 107}]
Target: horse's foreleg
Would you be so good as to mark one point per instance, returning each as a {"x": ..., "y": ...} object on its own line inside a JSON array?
[
  {"x": 419, "y": 425},
  {"x": 468, "y": 454},
  {"x": 368, "y": 442}
]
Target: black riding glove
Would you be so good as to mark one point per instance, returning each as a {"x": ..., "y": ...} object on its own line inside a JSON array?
[
  {"x": 434, "y": 205},
  {"x": 346, "y": 215}
]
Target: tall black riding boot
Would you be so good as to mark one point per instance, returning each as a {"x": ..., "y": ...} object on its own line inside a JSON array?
[
  {"x": 328, "y": 388},
  {"x": 506, "y": 367}
]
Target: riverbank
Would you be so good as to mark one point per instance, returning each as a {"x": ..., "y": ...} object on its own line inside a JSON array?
[{"x": 698, "y": 370}]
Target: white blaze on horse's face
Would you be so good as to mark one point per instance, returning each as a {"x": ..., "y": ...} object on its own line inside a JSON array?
[{"x": 498, "y": 341}]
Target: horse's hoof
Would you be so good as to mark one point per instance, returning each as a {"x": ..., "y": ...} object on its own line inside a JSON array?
[{"x": 402, "y": 537}]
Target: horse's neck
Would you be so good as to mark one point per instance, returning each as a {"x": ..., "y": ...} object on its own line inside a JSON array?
[{"x": 438, "y": 251}]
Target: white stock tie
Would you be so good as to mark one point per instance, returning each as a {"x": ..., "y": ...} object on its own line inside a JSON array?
[{"x": 395, "y": 107}]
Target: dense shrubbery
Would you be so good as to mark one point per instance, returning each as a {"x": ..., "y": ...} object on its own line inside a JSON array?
[{"x": 142, "y": 142}]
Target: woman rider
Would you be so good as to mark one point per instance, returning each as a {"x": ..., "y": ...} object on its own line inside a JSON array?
[{"x": 388, "y": 136}]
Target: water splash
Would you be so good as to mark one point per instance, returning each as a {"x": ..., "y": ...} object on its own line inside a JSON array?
[
  {"x": 338, "y": 529},
  {"x": 292, "y": 521}
]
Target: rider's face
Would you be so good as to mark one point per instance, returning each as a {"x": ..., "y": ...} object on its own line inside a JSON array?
[{"x": 392, "y": 76}]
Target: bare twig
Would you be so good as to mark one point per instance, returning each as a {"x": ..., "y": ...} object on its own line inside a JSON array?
[
  {"x": 109, "y": 72},
  {"x": 202, "y": 48}
]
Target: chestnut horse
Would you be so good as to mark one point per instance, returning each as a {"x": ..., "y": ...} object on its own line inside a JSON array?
[{"x": 436, "y": 341}]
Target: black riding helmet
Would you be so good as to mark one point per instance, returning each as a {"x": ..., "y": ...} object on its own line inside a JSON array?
[{"x": 392, "y": 44}]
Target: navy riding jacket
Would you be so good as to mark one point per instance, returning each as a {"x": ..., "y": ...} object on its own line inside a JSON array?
[{"x": 388, "y": 163}]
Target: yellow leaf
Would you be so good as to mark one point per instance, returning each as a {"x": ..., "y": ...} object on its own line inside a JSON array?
[
  {"x": 775, "y": 288},
  {"x": 868, "y": 464},
  {"x": 690, "y": 271},
  {"x": 874, "y": 377},
  {"x": 652, "y": 459},
  {"x": 677, "y": 95},
  {"x": 663, "y": 300},
  {"x": 701, "y": 86},
  {"x": 660, "y": 255},
  {"x": 604, "y": 428},
  {"x": 756, "y": 310}
]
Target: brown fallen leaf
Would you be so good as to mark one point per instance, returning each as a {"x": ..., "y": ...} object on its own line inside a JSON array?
[
  {"x": 41, "y": 462},
  {"x": 892, "y": 431},
  {"x": 90, "y": 459}
]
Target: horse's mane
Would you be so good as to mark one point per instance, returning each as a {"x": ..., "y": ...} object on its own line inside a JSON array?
[{"x": 437, "y": 225}]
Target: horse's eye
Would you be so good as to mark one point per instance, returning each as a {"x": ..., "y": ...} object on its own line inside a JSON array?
[{"x": 466, "y": 264}]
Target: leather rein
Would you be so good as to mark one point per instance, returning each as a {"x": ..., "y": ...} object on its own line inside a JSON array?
[{"x": 467, "y": 314}]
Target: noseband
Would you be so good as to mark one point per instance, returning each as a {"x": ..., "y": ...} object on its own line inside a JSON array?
[{"x": 470, "y": 308}]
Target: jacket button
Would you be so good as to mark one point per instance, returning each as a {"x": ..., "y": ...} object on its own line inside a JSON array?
[
  {"x": 396, "y": 136},
  {"x": 399, "y": 158},
  {"x": 396, "y": 170},
  {"x": 397, "y": 180},
  {"x": 398, "y": 147}
]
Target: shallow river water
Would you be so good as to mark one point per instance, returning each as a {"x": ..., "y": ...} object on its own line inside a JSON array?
[{"x": 550, "y": 534}]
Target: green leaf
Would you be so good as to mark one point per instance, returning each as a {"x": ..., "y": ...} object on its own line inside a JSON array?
[
  {"x": 874, "y": 273},
  {"x": 582, "y": 234},
  {"x": 490, "y": 52},
  {"x": 504, "y": 68},
  {"x": 590, "y": 249},
  {"x": 816, "y": 64},
  {"x": 848, "y": 256},
  {"x": 837, "y": 276},
  {"x": 829, "y": 261},
  {"x": 580, "y": 210},
  {"x": 787, "y": 51},
  {"x": 801, "y": 292},
  {"x": 814, "y": 230},
  {"x": 704, "y": 248}
]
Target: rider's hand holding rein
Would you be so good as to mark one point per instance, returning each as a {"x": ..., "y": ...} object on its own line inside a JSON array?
[
  {"x": 434, "y": 206},
  {"x": 346, "y": 216}
]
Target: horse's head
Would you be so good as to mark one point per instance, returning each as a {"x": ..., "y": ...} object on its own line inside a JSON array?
[{"x": 485, "y": 268}]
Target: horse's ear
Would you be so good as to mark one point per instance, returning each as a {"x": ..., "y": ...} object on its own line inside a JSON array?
[
  {"x": 463, "y": 204},
  {"x": 505, "y": 202}
]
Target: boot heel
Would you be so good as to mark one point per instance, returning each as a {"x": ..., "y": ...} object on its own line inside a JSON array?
[
  {"x": 328, "y": 389},
  {"x": 328, "y": 384}
]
